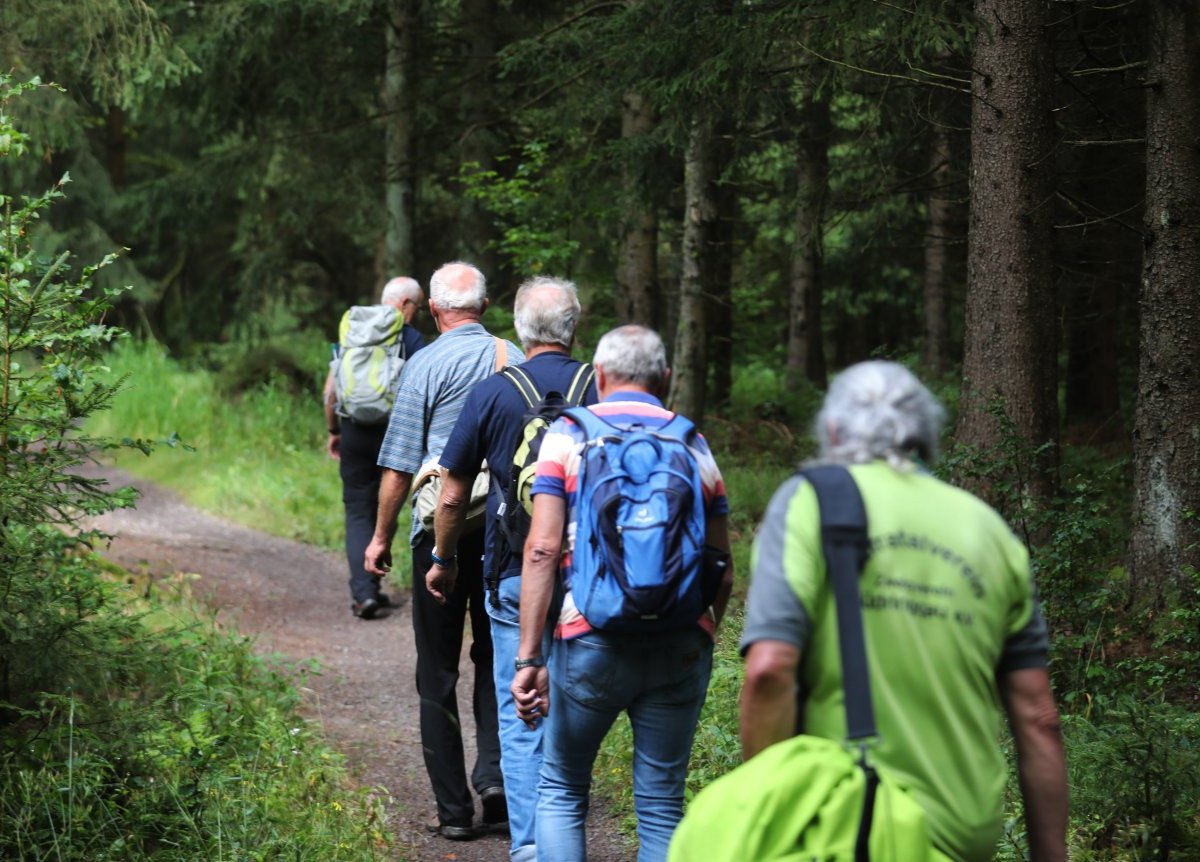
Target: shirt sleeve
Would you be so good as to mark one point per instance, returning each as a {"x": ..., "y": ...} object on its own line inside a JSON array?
[
  {"x": 404, "y": 443},
  {"x": 773, "y": 609},
  {"x": 558, "y": 446},
  {"x": 711, "y": 480}
]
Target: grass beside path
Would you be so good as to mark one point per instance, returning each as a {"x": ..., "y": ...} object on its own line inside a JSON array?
[{"x": 181, "y": 744}]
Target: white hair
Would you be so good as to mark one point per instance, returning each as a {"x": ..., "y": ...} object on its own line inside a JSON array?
[
  {"x": 632, "y": 354},
  {"x": 546, "y": 311},
  {"x": 399, "y": 289},
  {"x": 878, "y": 410},
  {"x": 458, "y": 285}
]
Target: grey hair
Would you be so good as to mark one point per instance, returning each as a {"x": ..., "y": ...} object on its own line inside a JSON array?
[
  {"x": 879, "y": 410},
  {"x": 546, "y": 312},
  {"x": 632, "y": 354},
  {"x": 400, "y": 288},
  {"x": 458, "y": 285}
]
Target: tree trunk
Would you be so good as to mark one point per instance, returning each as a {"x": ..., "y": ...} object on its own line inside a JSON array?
[
  {"x": 1165, "y": 538},
  {"x": 690, "y": 365},
  {"x": 637, "y": 259},
  {"x": 478, "y": 230},
  {"x": 398, "y": 108},
  {"x": 805, "y": 345},
  {"x": 720, "y": 288},
  {"x": 1010, "y": 324},
  {"x": 935, "y": 356}
]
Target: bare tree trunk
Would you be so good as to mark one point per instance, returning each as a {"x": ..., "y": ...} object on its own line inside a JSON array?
[
  {"x": 478, "y": 232},
  {"x": 398, "y": 108},
  {"x": 805, "y": 345},
  {"x": 637, "y": 260},
  {"x": 690, "y": 365},
  {"x": 720, "y": 289},
  {"x": 1166, "y": 538},
  {"x": 1010, "y": 325},
  {"x": 935, "y": 356}
]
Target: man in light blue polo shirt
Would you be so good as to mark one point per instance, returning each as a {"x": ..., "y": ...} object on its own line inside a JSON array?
[{"x": 432, "y": 390}]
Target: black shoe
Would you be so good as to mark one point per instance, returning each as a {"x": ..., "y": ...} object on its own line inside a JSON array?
[
  {"x": 495, "y": 806},
  {"x": 366, "y": 610},
  {"x": 457, "y": 833},
  {"x": 385, "y": 601}
]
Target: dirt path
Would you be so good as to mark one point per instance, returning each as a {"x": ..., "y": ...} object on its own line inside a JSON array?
[{"x": 292, "y": 598}]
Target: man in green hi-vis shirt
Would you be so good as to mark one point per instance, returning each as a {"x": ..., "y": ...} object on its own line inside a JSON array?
[{"x": 955, "y": 636}]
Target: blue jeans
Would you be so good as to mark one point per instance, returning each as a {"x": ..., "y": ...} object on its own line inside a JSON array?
[
  {"x": 661, "y": 681},
  {"x": 520, "y": 746}
]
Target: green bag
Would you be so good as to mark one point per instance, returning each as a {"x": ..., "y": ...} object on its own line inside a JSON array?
[{"x": 810, "y": 799}]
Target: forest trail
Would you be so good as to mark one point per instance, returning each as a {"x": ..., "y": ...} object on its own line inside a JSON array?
[{"x": 292, "y": 599}]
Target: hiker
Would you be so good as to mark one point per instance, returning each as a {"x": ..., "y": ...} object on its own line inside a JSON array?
[
  {"x": 491, "y": 429},
  {"x": 356, "y": 425},
  {"x": 640, "y": 604},
  {"x": 952, "y": 624},
  {"x": 432, "y": 391}
]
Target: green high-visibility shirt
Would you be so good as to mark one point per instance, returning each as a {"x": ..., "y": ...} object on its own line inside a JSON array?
[{"x": 948, "y": 606}]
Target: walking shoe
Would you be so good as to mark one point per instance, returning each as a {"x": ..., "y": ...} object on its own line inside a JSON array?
[
  {"x": 385, "y": 601},
  {"x": 366, "y": 610},
  {"x": 495, "y": 806},
  {"x": 456, "y": 833}
]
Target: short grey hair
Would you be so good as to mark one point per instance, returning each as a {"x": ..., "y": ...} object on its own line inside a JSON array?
[
  {"x": 546, "y": 311},
  {"x": 632, "y": 354},
  {"x": 400, "y": 288},
  {"x": 875, "y": 410},
  {"x": 458, "y": 285}
]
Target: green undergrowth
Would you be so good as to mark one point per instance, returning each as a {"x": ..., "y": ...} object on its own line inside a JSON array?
[
  {"x": 253, "y": 450},
  {"x": 164, "y": 737}
]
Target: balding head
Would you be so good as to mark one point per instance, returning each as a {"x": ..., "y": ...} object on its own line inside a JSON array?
[
  {"x": 546, "y": 313},
  {"x": 458, "y": 286},
  {"x": 399, "y": 289}
]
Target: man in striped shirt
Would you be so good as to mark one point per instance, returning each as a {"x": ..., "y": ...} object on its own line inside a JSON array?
[
  {"x": 660, "y": 679},
  {"x": 429, "y": 397}
]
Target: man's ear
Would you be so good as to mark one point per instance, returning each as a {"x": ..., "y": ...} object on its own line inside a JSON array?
[
  {"x": 484, "y": 307},
  {"x": 664, "y": 388}
]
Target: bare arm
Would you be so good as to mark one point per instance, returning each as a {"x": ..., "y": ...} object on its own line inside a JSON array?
[
  {"x": 448, "y": 524},
  {"x": 768, "y": 707},
  {"x": 331, "y": 419},
  {"x": 393, "y": 489},
  {"x": 718, "y": 536},
  {"x": 530, "y": 686},
  {"x": 1041, "y": 763}
]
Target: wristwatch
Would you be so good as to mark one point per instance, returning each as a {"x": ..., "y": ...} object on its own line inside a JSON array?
[
  {"x": 522, "y": 663},
  {"x": 444, "y": 562}
]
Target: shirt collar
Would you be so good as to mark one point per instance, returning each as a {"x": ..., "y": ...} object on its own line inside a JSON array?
[
  {"x": 632, "y": 395},
  {"x": 464, "y": 329}
]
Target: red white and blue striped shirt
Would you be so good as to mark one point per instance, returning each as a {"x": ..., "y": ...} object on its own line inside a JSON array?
[{"x": 558, "y": 472}]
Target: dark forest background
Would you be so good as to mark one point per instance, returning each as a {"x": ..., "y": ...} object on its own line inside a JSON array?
[{"x": 1004, "y": 194}]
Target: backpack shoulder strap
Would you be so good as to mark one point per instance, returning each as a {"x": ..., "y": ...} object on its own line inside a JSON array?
[
  {"x": 584, "y": 375},
  {"x": 846, "y": 547},
  {"x": 524, "y": 384},
  {"x": 679, "y": 427},
  {"x": 593, "y": 426}
]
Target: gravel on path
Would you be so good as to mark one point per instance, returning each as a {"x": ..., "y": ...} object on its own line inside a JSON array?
[{"x": 292, "y": 599}]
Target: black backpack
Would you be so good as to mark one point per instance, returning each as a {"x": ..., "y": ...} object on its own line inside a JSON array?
[{"x": 540, "y": 412}]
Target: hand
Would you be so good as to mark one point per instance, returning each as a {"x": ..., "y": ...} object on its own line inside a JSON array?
[
  {"x": 531, "y": 693},
  {"x": 440, "y": 581},
  {"x": 378, "y": 558},
  {"x": 334, "y": 446}
]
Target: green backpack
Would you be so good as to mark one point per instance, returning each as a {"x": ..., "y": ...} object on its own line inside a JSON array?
[
  {"x": 368, "y": 360},
  {"x": 810, "y": 799}
]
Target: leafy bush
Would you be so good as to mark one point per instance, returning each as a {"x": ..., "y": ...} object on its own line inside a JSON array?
[{"x": 121, "y": 740}]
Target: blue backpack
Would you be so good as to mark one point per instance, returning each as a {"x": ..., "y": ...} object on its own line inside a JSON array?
[{"x": 640, "y": 527}]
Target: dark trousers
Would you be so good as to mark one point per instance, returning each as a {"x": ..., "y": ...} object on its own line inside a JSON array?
[
  {"x": 439, "y": 634},
  {"x": 359, "y": 449}
]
